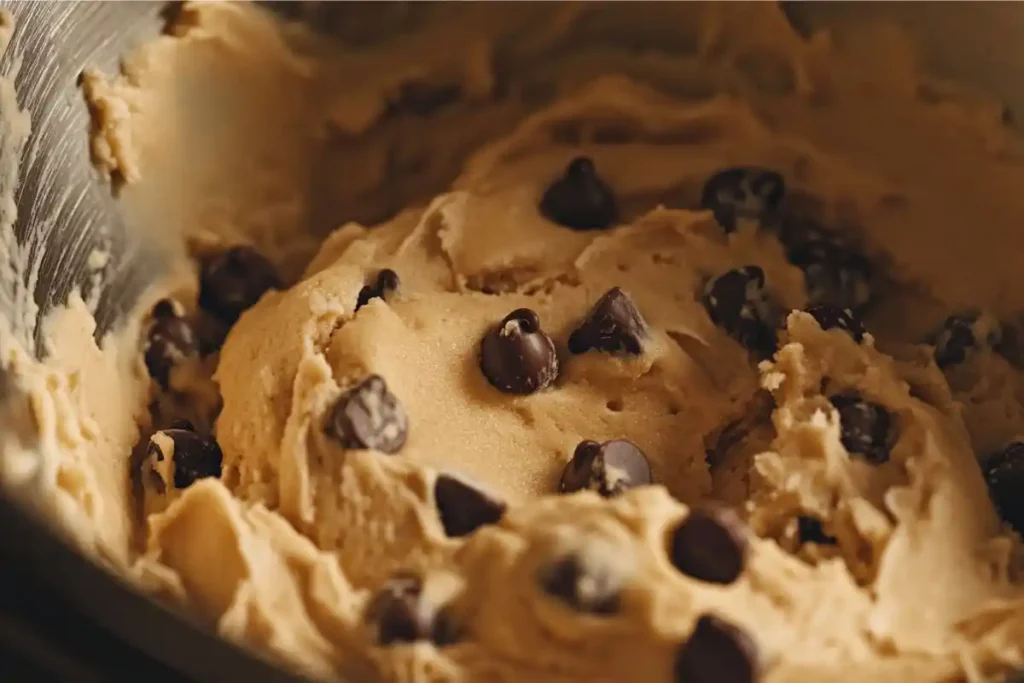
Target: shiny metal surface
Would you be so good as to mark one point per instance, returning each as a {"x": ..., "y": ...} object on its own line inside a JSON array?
[
  {"x": 65, "y": 210},
  {"x": 65, "y": 618}
]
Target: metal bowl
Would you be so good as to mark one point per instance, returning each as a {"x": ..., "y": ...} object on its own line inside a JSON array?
[{"x": 65, "y": 210}]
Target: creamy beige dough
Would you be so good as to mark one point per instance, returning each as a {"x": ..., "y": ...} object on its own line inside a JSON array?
[{"x": 233, "y": 128}]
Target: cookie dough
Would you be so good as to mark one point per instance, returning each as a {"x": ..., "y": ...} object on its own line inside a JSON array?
[{"x": 554, "y": 343}]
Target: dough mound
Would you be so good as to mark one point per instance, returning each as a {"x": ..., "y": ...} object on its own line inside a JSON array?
[{"x": 591, "y": 364}]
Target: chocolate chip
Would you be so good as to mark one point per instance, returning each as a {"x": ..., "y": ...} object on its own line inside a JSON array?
[
  {"x": 954, "y": 340},
  {"x": 164, "y": 309},
  {"x": 388, "y": 281},
  {"x": 737, "y": 301},
  {"x": 608, "y": 468},
  {"x": 463, "y": 507},
  {"x": 710, "y": 545},
  {"x": 834, "y": 272},
  {"x": 830, "y": 316},
  {"x": 580, "y": 199},
  {"x": 170, "y": 341},
  {"x": 402, "y": 614},
  {"x": 811, "y": 530},
  {"x": 183, "y": 424},
  {"x": 369, "y": 416},
  {"x": 743, "y": 193},
  {"x": 583, "y": 583},
  {"x": 516, "y": 356},
  {"x": 1004, "y": 473},
  {"x": 211, "y": 332},
  {"x": 613, "y": 325},
  {"x": 865, "y": 427},
  {"x": 365, "y": 294},
  {"x": 384, "y": 285},
  {"x": 717, "y": 652},
  {"x": 194, "y": 457},
  {"x": 234, "y": 280},
  {"x": 962, "y": 334}
]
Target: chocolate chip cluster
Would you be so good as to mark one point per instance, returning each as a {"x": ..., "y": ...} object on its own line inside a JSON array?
[
  {"x": 710, "y": 545},
  {"x": 839, "y": 280},
  {"x": 230, "y": 282},
  {"x": 517, "y": 357}
]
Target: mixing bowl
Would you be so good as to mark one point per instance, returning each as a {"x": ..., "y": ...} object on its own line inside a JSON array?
[{"x": 61, "y": 607}]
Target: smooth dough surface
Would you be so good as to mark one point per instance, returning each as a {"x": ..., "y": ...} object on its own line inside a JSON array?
[{"x": 301, "y": 152}]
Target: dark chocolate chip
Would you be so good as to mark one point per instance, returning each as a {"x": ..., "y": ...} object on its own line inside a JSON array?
[
  {"x": 384, "y": 285},
  {"x": 164, "y": 309},
  {"x": 962, "y": 334},
  {"x": 516, "y": 356},
  {"x": 170, "y": 14},
  {"x": 1004, "y": 473},
  {"x": 954, "y": 340},
  {"x": 865, "y": 427},
  {"x": 580, "y": 199},
  {"x": 717, "y": 652},
  {"x": 834, "y": 272},
  {"x": 369, "y": 416},
  {"x": 608, "y": 468},
  {"x": 195, "y": 457},
  {"x": 183, "y": 424},
  {"x": 613, "y": 325},
  {"x": 401, "y": 614},
  {"x": 830, "y": 316},
  {"x": 365, "y": 294},
  {"x": 464, "y": 508},
  {"x": 811, "y": 530},
  {"x": 211, "y": 332},
  {"x": 388, "y": 281},
  {"x": 583, "y": 583},
  {"x": 170, "y": 341},
  {"x": 710, "y": 545},
  {"x": 743, "y": 193},
  {"x": 737, "y": 301},
  {"x": 234, "y": 280}
]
